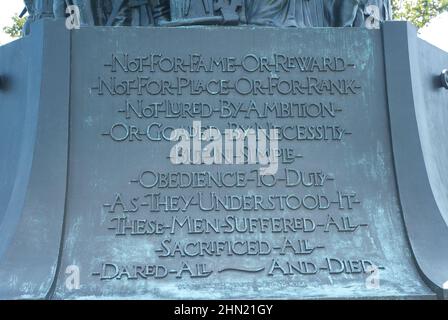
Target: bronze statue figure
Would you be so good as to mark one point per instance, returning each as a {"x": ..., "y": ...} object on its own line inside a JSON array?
[
  {"x": 315, "y": 13},
  {"x": 37, "y": 9},
  {"x": 277, "y": 13},
  {"x": 288, "y": 13}
]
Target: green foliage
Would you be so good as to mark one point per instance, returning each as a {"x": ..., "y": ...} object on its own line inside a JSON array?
[
  {"x": 419, "y": 12},
  {"x": 15, "y": 30}
]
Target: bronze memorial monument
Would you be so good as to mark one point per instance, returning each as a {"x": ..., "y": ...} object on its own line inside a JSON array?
[{"x": 222, "y": 149}]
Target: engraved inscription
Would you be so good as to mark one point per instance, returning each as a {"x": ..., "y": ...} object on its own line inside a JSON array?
[{"x": 211, "y": 204}]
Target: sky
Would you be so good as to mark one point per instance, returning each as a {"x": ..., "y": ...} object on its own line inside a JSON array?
[
  {"x": 436, "y": 32},
  {"x": 7, "y": 9}
]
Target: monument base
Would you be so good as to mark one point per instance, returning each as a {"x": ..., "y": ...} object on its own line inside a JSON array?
[{"x": 95, "y": 205}]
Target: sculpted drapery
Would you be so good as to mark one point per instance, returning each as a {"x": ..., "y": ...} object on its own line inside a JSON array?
[{"x": 314, "y": 13}]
